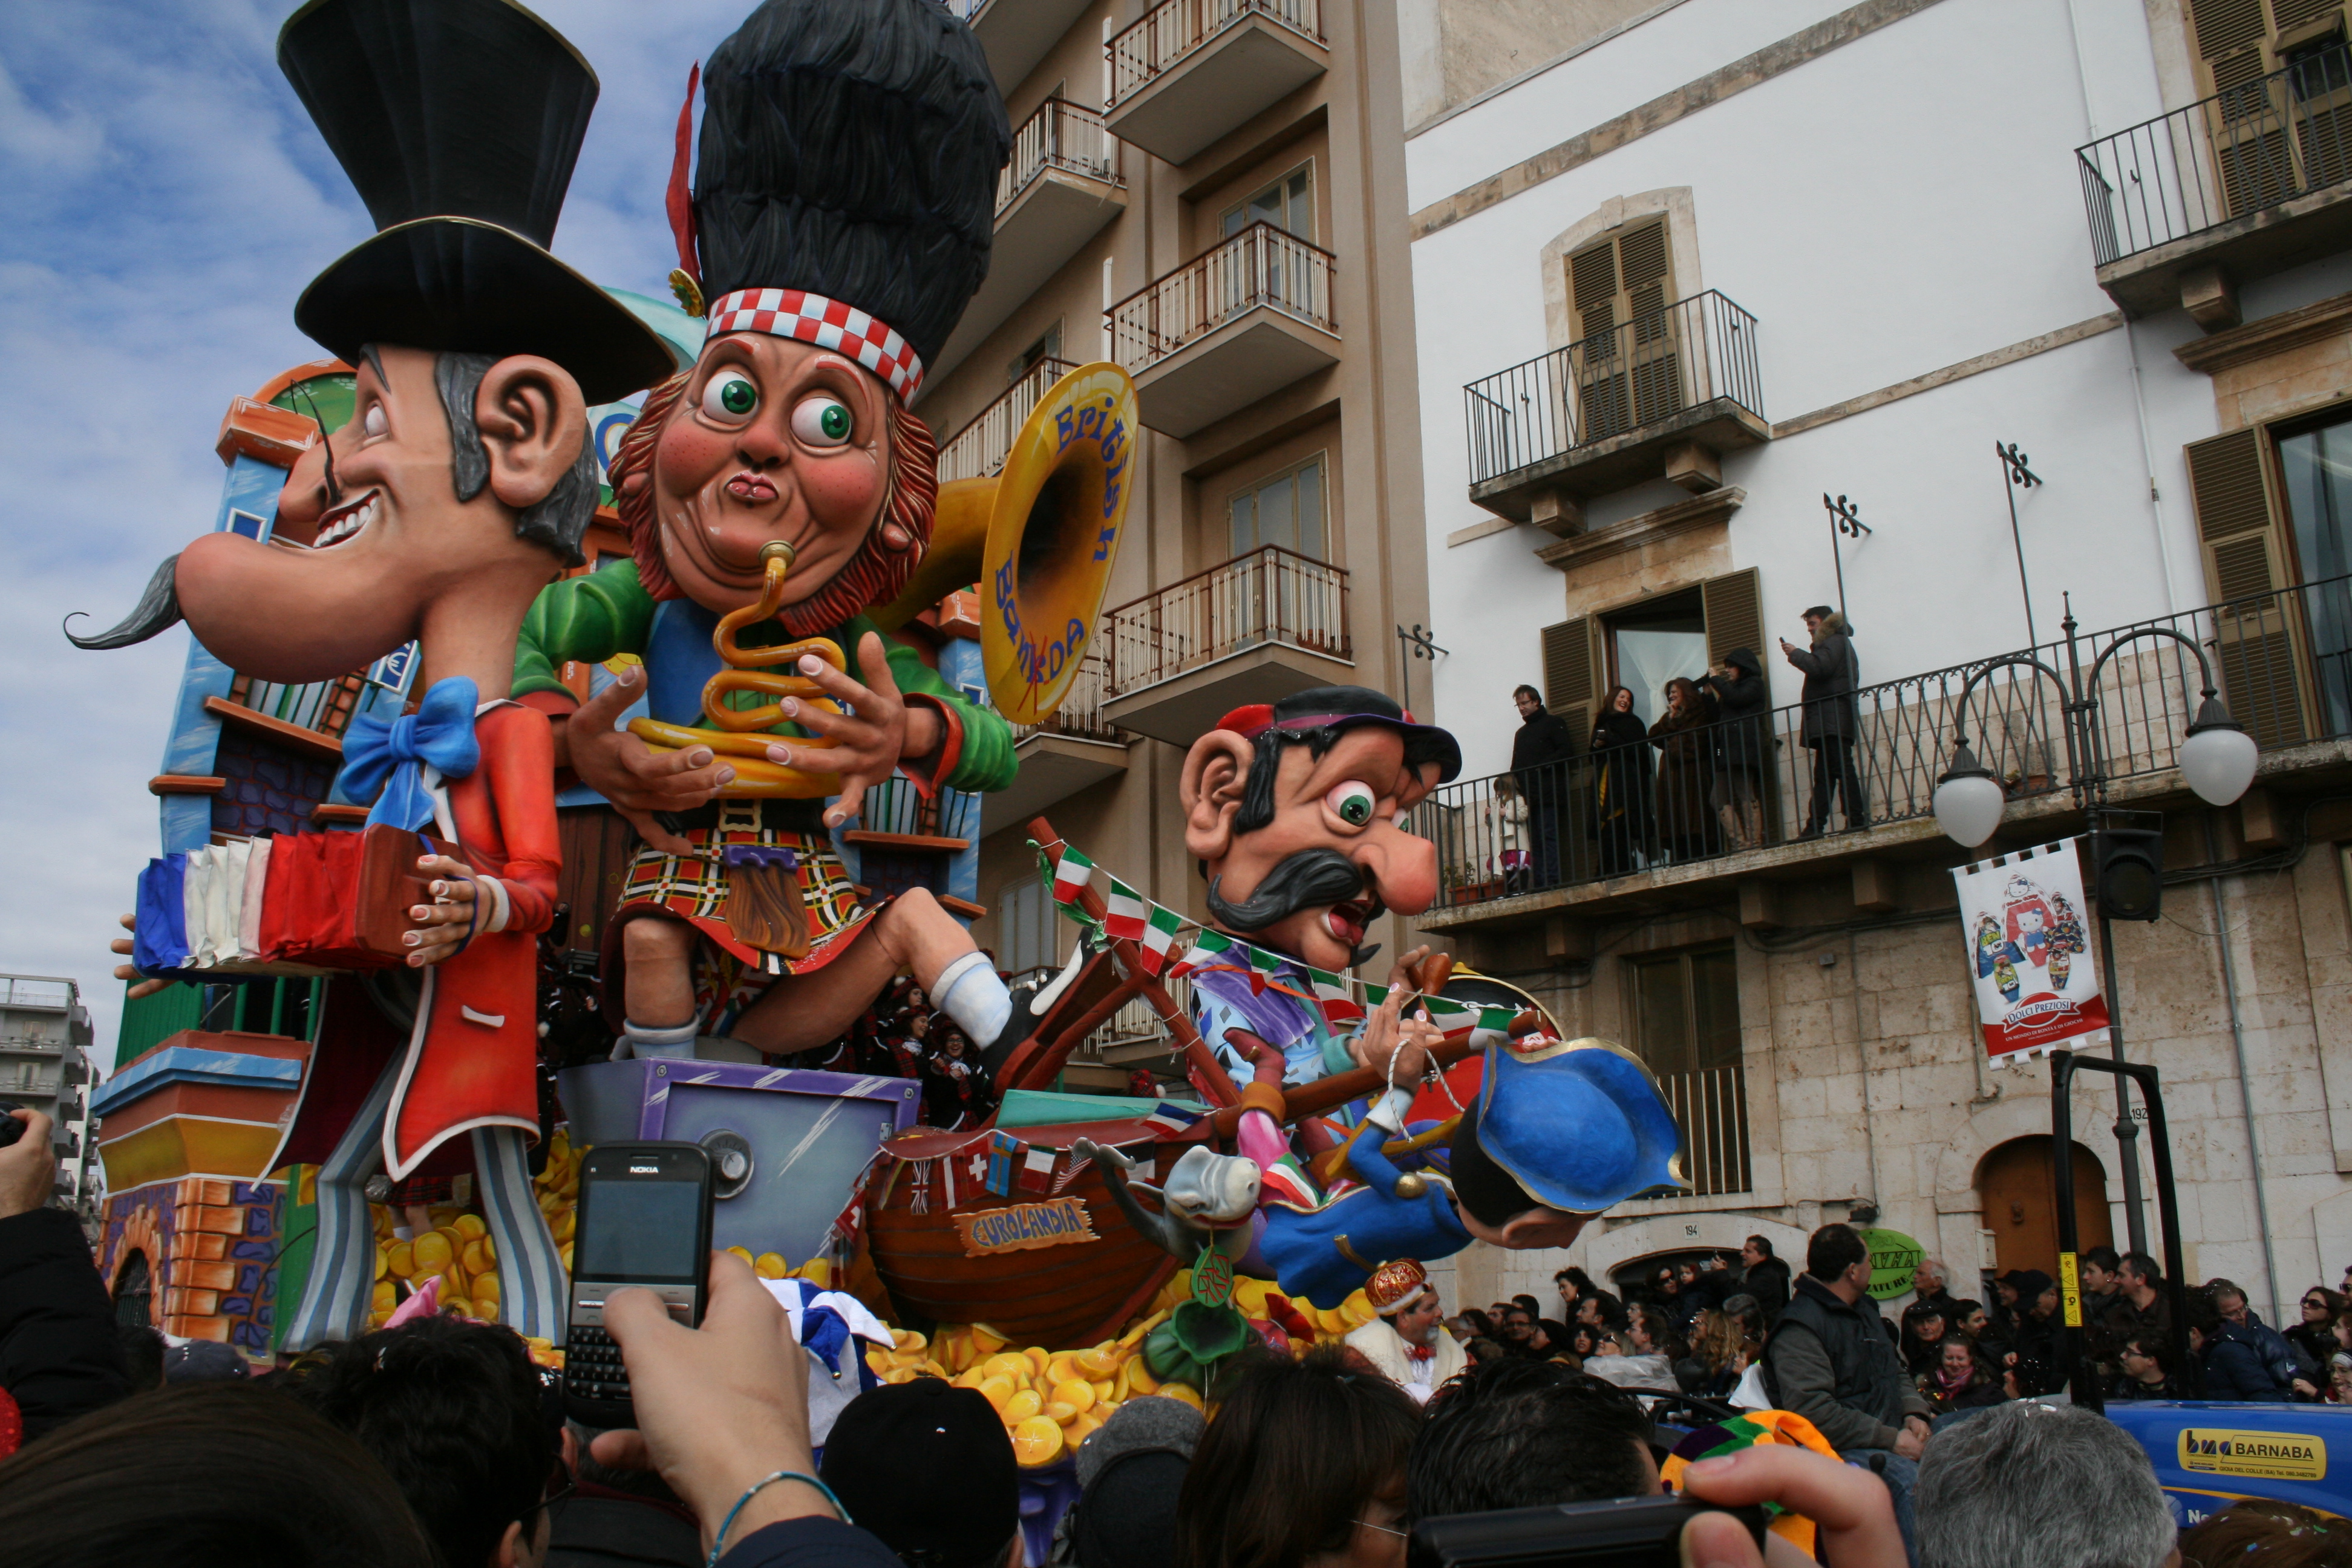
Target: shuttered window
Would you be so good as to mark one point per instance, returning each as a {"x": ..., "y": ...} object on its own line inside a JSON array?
[
  {"x": 2274, "y": 138},
  {"x": 1631, "y": 377},
  {"x": 2239, "y": 527},
  {"x": 1735, "y": 614},
  {"x": 1570, "y": 670}
]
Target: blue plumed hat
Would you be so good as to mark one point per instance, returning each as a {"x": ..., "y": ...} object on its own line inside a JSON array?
[{"x": 1577, "y": 1125}]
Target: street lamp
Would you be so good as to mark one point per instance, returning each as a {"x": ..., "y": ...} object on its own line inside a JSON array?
[{"x": 2216, "y": 758}]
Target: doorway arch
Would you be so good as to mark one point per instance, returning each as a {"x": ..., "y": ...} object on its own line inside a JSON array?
[{"x": 2020, "y": 1205}]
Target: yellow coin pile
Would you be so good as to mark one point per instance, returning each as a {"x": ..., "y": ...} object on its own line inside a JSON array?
[
  {"x": 1049, "y": 1400},
  {"x": 458, "y": 1250}
]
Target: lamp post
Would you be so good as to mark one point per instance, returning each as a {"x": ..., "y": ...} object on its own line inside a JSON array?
[{"x": 2216, "y": 759}]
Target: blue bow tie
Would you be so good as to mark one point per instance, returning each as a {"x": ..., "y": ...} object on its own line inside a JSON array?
[{"x": 384, "y": 758}]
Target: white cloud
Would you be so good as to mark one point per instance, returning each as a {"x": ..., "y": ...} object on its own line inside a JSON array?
[{"x": 168, "y": 199}]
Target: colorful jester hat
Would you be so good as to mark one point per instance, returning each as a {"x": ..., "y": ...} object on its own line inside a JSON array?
[
  {"x": 1751, "y": 1429},
  {"x": 845, "y": 192}
]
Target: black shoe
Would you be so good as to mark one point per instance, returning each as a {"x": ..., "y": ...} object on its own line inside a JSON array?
[
  {"x": 1018, "y": 1027},
  {"x": 1809, "y": 833}
]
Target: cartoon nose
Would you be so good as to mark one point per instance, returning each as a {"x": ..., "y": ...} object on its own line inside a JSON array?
[{"x": 1402, "y": 867}]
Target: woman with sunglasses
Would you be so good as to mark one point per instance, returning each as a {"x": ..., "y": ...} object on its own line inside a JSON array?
[{"x": 2314, "y": 1338}]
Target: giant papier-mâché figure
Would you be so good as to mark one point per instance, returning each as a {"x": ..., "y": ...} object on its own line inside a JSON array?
[
  {"x": 1292, "y": 810},
  {"x": 841, "y": 218},
  {"x": 461, "y": 485}
]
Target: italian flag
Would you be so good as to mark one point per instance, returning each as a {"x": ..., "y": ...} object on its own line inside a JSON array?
[
  {"x": 1262, "y": 960},
  {"x": 1334, "y": 996},
  {"x": 1207, "y": 947},
  {"x": 1498, "y": 1019},
  {"x": 1071, "y": 876},
  {"x": 1123, "y": 912},
  {"x": 1158, "y": 939}
]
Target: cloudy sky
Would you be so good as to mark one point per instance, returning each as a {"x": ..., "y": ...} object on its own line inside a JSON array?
[{"x": 166, "y": 199}]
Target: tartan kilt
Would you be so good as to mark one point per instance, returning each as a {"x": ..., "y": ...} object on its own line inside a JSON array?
[{"x": 694, "y": 888}]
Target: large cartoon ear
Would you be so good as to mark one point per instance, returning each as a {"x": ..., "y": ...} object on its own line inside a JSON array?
[
  {"x": 533, "y": 423},
  {"x": 1215, "y": 770}
]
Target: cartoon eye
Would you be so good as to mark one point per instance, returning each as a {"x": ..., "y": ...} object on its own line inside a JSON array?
[
  {"x": 1351, "y": 802},
  {"x": 371, "y": 423},
  {"x": 732, "y": 397},
  {"x": 821, "y": 421}
]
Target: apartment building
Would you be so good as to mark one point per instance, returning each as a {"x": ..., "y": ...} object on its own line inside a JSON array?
[
  {"x": 2005, "y": 327},
  {"x": 45, "y": 1038},
  {"x": 1209, "y": 193}
]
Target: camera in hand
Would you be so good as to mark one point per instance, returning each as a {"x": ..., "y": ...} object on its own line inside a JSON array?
[
  {"x": 10, "y": 1128},
  {"x": 1616, "y": 1533},
  {"x": 644, "y": 1220}
]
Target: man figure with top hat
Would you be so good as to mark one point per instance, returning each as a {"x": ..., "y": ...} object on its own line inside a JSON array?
[
  {"x": 1407, "y": 1339},
  {"x": 841, "y": 219},
  {"x": 463, "y": 482}
]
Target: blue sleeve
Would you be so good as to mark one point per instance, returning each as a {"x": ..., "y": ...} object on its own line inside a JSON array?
[{"x": 814, "y": 1541}]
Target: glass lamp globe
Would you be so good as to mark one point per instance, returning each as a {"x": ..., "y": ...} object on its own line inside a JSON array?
[
  {"x": 2217, "y": 759},
  {"x": 1968, "y": 801}
]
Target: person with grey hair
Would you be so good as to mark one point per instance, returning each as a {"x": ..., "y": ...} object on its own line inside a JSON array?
[
  {"x": 1932, "y": 1283},
  {"x": 2055, "y": 1485}
]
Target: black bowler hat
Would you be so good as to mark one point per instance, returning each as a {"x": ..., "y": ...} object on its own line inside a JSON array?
[
  {"x": 458, "y": 120},
  {"x": 1345, "y": 707}
]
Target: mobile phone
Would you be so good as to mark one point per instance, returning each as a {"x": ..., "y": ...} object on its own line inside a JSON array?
[
  {"x": 644, "y": 1219},
  {"x": 1616, "y": 1533},
  {"x": 10, "y": 1128}
]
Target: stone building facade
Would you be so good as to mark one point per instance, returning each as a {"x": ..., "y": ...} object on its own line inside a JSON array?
[{"x": 1924, "y": 223}]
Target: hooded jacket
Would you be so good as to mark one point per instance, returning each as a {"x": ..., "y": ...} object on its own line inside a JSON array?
[
  {"x": 1744, "y": 706},
  {"x": 2235, "y": 1367},
  {"x": 1832, "y": 674}
]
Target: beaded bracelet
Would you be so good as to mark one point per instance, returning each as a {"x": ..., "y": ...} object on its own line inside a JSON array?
[{"x": 719, "y": 1542}]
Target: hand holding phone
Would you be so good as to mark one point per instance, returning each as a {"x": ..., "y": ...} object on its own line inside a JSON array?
[{"x": 644, "y": 1220}]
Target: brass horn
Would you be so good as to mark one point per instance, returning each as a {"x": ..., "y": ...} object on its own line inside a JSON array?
[{"x": 1040, "y": 539}]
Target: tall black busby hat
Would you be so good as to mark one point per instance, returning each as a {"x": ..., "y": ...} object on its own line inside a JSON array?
[
  {"x": 847, "y": 177},
  {"x": 458, "y": 120}
]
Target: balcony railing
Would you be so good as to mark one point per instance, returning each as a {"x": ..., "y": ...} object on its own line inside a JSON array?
[
  {"x": 896, "y": 805},
  {"x": 1262, "y": 264},
  {"x": 1270, "y": 595},
  {"x": 2247, "y": 147},
  {"x": 1143, "y": 53},
  {"x": 1711, "y": 1107},
  {"x": 325, "y": 706},
  {"x": 1646, "y": 371},
  {"x": 2282, "y": 660},
  {"x": 1080, "y": 713},
  {"x": 1060, "y": 135},
  {"x": 977, "y": 451}
]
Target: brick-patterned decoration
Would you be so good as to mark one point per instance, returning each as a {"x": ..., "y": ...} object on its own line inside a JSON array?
[
  {"x": 271, "y": 789},
  {"x": 211, "y": 1246}
]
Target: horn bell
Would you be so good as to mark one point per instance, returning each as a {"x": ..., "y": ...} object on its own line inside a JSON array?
[{"x": 1040, "y": 539}]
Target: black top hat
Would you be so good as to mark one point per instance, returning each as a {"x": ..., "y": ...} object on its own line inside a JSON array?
[
  {"x": 458, "y": 120},
  {"x": 850, "y": 149}
]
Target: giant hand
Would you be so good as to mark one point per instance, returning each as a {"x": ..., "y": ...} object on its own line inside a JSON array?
[
  {"x": 874, "y": 731},
  {"x": 638, "y": 780}
]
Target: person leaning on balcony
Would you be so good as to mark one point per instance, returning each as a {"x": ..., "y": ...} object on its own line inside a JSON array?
[
  {"x": 1832, "y": 674},
  {"x": 1743, "y": 739},
  {"x": 1540, "y": 753},
  {"x": 1620, "y": 785},
  {"x": 1683, "y": 735}
]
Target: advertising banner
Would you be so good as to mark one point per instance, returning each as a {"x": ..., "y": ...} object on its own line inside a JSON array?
[{"x": 2028, "y": 954}]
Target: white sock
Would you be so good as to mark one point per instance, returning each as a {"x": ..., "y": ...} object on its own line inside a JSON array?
[
  {"x": 637, "y": 1040},
  {"x": 969, "y": 991}
]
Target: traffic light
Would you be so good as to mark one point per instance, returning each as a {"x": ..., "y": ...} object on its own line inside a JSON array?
[{"x": 2130, "y": 861}]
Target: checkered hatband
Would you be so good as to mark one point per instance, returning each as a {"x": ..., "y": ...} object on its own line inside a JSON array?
[{"x": 828, "y": 324}]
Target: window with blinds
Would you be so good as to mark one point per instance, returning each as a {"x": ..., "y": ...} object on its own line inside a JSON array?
[
  {"x": 1626, "y": 360},
  {"x": 1686, "y": 1027},
  {"x": 2279, "y": 82},
  {"x": 2259, "y": 634}
]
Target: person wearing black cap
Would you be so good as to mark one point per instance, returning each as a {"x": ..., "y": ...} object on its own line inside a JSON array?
[
  {"x": 463, "y": 481},
  {"x": 841, "y": 218},
  {"x": 926, "y": 1466}
]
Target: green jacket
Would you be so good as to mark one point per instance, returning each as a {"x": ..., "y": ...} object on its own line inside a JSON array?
[{"x": 592, "y": 618}]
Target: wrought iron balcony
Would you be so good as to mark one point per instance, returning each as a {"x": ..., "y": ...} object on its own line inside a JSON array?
[
  {"x": 1236, "y": 323},
  {"x": 977, "y": 451},
  {"x": 1723, "y": 797},
  {"x": 1615, "y": 410},
  {"x": 1075, "y": 748},
  {"x": 1192, "y": 70},
  {"x": 2252, "y": 180},
  {"x": 1017, "y": 33},
  {"x": 1252, "y": 629}
]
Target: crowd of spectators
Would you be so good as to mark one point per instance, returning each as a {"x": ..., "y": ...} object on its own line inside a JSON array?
[
  {"x": 438, "y": 1443},
  {"x": 902, "y": 1036}
]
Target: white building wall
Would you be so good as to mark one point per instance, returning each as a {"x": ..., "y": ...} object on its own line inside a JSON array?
[{"x": 1904, "y": 203}]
